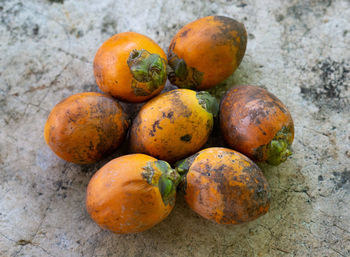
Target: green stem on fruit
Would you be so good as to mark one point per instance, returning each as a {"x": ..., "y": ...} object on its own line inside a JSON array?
[
  {"x": 180, "y": 69},
  {"x": 168, "y": 172},
  {"x": 147, "y": 68},
  {"x": 182, "y": 167},
  {"x": 167, "y": 182},
  {"x": 208, "y": 102},
  {"x": 181, "y": 75},
  {"x": 279, "y": 148}
]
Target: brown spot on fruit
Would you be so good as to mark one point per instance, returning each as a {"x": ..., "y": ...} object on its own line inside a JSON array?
[
  {"x": 85, "y": 127},
  {"x": 171, "y": 126},
  {"x": 205, "y": 52},
  {"x": 256, "y": 123},
  {"x": 186, "y": 138},
  {"x": 184, "y": 33},
  {"x": 225, "y": 186}
]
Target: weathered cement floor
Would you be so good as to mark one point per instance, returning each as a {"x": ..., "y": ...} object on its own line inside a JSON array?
[{"x": 299, "y": 50}]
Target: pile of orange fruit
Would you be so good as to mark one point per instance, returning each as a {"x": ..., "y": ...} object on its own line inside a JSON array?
[{"x": 134, "y": 192}]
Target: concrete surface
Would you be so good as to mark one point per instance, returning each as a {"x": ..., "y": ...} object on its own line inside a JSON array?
[{"x": 299, "y": 50}]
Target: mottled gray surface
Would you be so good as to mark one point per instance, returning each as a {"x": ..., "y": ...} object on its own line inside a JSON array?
[{"x": 299, "y": 50}]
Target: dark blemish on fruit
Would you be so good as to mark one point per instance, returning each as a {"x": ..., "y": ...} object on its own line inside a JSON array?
[
  {"x": 186, "y": 138},
  {"x": 156, "y": 125},
  {"x": 184, "y": 33}
]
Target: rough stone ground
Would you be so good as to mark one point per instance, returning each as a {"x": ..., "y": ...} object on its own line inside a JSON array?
[{"x": 299, "y": 50}]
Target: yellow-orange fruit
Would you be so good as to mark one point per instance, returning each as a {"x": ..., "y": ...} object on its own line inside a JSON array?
[
  {"x": 174, "y": 124},
  {"x": 256, "y": 123},
  {"x": 205, "y": 52},
  {"x": 131, "y": 193},
  {"x": 224, "y": 186},
  {"x": 130, "y": 67},
  {"x": 84, "y": 127}
]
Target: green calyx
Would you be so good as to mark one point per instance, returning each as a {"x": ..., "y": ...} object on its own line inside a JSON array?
[
  {"x": 181, "y": 75},
  {"x": 279, "y": 148},
  {"x": 161, "y": 175},
  {"x": 208, "y": 102},
  {"x": 184, "y": 165},
  {"x": 180, "y": 69},
  {"x": 147, "y": 68}
]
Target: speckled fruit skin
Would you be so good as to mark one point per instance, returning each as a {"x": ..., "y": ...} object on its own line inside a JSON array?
[
  {"x": 171, "y": 126},
  {"x": 251, "y": 117},
  {"x": 120, "y": 199},
  {"x": 225, "y": 186},
  {"x": 206, "y": 51},
  {"x": 84, "y": 127},
  {"x": 112, "y": 72}
]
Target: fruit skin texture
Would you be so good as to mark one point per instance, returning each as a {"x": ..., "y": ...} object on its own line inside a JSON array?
[
  {"x": 205, "y": 52},
  {"x": 113, "y": 74},
  {"x": 257, "y": 124},
  {"x": 172, "y": 125},
  {"x": 84, "y": 127},
  {"x": 225, "y": 186},
  {"x": 120, "y": 197}
]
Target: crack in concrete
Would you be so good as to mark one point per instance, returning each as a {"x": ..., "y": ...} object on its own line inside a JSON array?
[
  {"x": 74, "y": 56},
  {"x": 39, "y": 226},
  {"x": 303, "y": 191},
  {"x": 313, "y": 130},
  {"x": 42, "y": 220},
  {"x": 32, "y": 89},
  {"x": 46, "y": 251},
  {"x": 6, "y": 237},
  {"x": 54, "y": 81},
  {"x": 342, "y": 229},
  {"x": 31, "y": 104},
  {"x": 280, "y": 249},
  {"x": 11, "y": 117},
  {"x": 335, "y": 250}
]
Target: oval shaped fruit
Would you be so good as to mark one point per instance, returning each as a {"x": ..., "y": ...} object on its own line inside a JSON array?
[
  {"x": 174, "y": 124},
  {"x": 224, "y": 186},
  {"x": 130, "y": 67},
  {"x": 205, "y": 52},
  {"x": 257, "y": 124},
  {"x": 131, "y": 193},
  {"x": 84, "y": 127}
]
